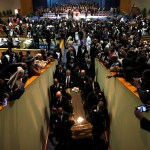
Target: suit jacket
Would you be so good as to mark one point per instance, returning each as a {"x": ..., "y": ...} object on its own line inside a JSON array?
[
  {"x": 89, "y": 87},
  {"x": 90, "y": 70},
  {"x": 81, "y": 55},
  {"x": 71, "y": 67},
  {"x": 60, "y": 125},
  {"x": 99, "y": 118},
  {"x": 59, "y": 74},
  {"x": 71, "y": 83},
  {"x": 93, "y": 99},
  {"x": 57, "y": 55},
  {"x": 145, "y": 124},
  {"x": 68, "y": 56},
  {"x": 82, "y": 80},
  {"x": 55, "y": 88},
  {"x": 64, "y": 103}
]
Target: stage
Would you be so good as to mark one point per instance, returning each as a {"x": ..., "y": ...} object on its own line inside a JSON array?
[{"x": 102, "y": 15}]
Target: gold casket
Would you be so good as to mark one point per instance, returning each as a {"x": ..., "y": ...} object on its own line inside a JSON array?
[{"x": 81, "y": 130}]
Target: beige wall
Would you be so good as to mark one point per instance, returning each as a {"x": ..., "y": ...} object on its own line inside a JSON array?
[
  {"x": 125, "y": 131},
  {"x": 142, "y": 4},
  {"x": 24, "y": 123},
  {"x": 26, "y": 6},
  {"x": 9, "y": 4},
  {"x": 126, "y": 5}
]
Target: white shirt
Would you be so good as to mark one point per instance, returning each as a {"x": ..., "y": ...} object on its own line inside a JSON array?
[{"x": 67, "y": 79}]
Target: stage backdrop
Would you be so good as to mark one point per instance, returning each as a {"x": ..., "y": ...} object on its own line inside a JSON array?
[{"x": 102, "y": 3}]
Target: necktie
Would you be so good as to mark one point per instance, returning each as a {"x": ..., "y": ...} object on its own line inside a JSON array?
[{"x": 68, "y": 81}]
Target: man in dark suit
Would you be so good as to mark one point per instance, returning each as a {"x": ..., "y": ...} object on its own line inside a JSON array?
[
  {"x": 99, "y": 118},
  {"x": 89, "y": 69},
  {"x": 81, "y": 54},
  {"x": 71, "y": 54},
  {"x": 68, "y": 80},
  {"x": 85, "y": 59},
  {"x": 71, "y": 65},
  {"x": 60, "y": 101},
  {"x": 82, "y": 79},
  {"x": 90, "y": 86},
  {"x": 47, "y": 36},
  {"x": 57, "y": 87},
  {"x": 57, "y": 54},
  {"x": 60, "y": 73},
  {"x": 60, "y": 127},
  {"x": 93, "y": 98}
]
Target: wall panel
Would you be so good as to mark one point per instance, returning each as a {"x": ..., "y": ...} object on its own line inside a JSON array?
[
  {"x": 24, "y": 123},
  {"x": 26, "y": 6},
  {"x": 142, "y": 4},
  {"x": 125, "y": 5},
  {"x": 125, "y": 130},
  {"x": 9, "y": 4}
]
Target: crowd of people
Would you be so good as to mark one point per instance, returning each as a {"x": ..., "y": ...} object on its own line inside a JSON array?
[
  {"x": 16, "y": 69},
  {"x": 116, "y": 43},
  {"x": 92, "y": 8},
  {"x": 81, "y": 75}
]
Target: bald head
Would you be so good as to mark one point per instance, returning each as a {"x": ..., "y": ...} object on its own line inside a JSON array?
[
  {"x": 60, "y": 110},
  {"x": 55, "y": 81},
  {"x": 82, "y": 72},
  {"x": 58, "y": 94},
  {"x": 100, "y": 104},
  {"x": 68, "y": 72}
]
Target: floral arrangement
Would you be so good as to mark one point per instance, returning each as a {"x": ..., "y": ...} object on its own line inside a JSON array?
[{"x": 75, "y": 89}]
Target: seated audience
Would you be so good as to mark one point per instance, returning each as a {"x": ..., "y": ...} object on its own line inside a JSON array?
[
  {"x": 17, "y": 79},
  {"x": 32, "y": 68},
  {"x": 6, "y": 92},
  {"x": 39, "y": 62}
]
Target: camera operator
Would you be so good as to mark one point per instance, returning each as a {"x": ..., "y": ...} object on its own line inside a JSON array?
[{"x": 144, "y": 122}]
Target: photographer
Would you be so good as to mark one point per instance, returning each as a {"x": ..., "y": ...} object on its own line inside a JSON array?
[{"x": 144, "y": 122}]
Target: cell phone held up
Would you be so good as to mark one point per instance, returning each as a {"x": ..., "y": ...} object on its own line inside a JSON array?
[
  {"x": 5, "y": 102},
  {"x": 142, "y": 108}
]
